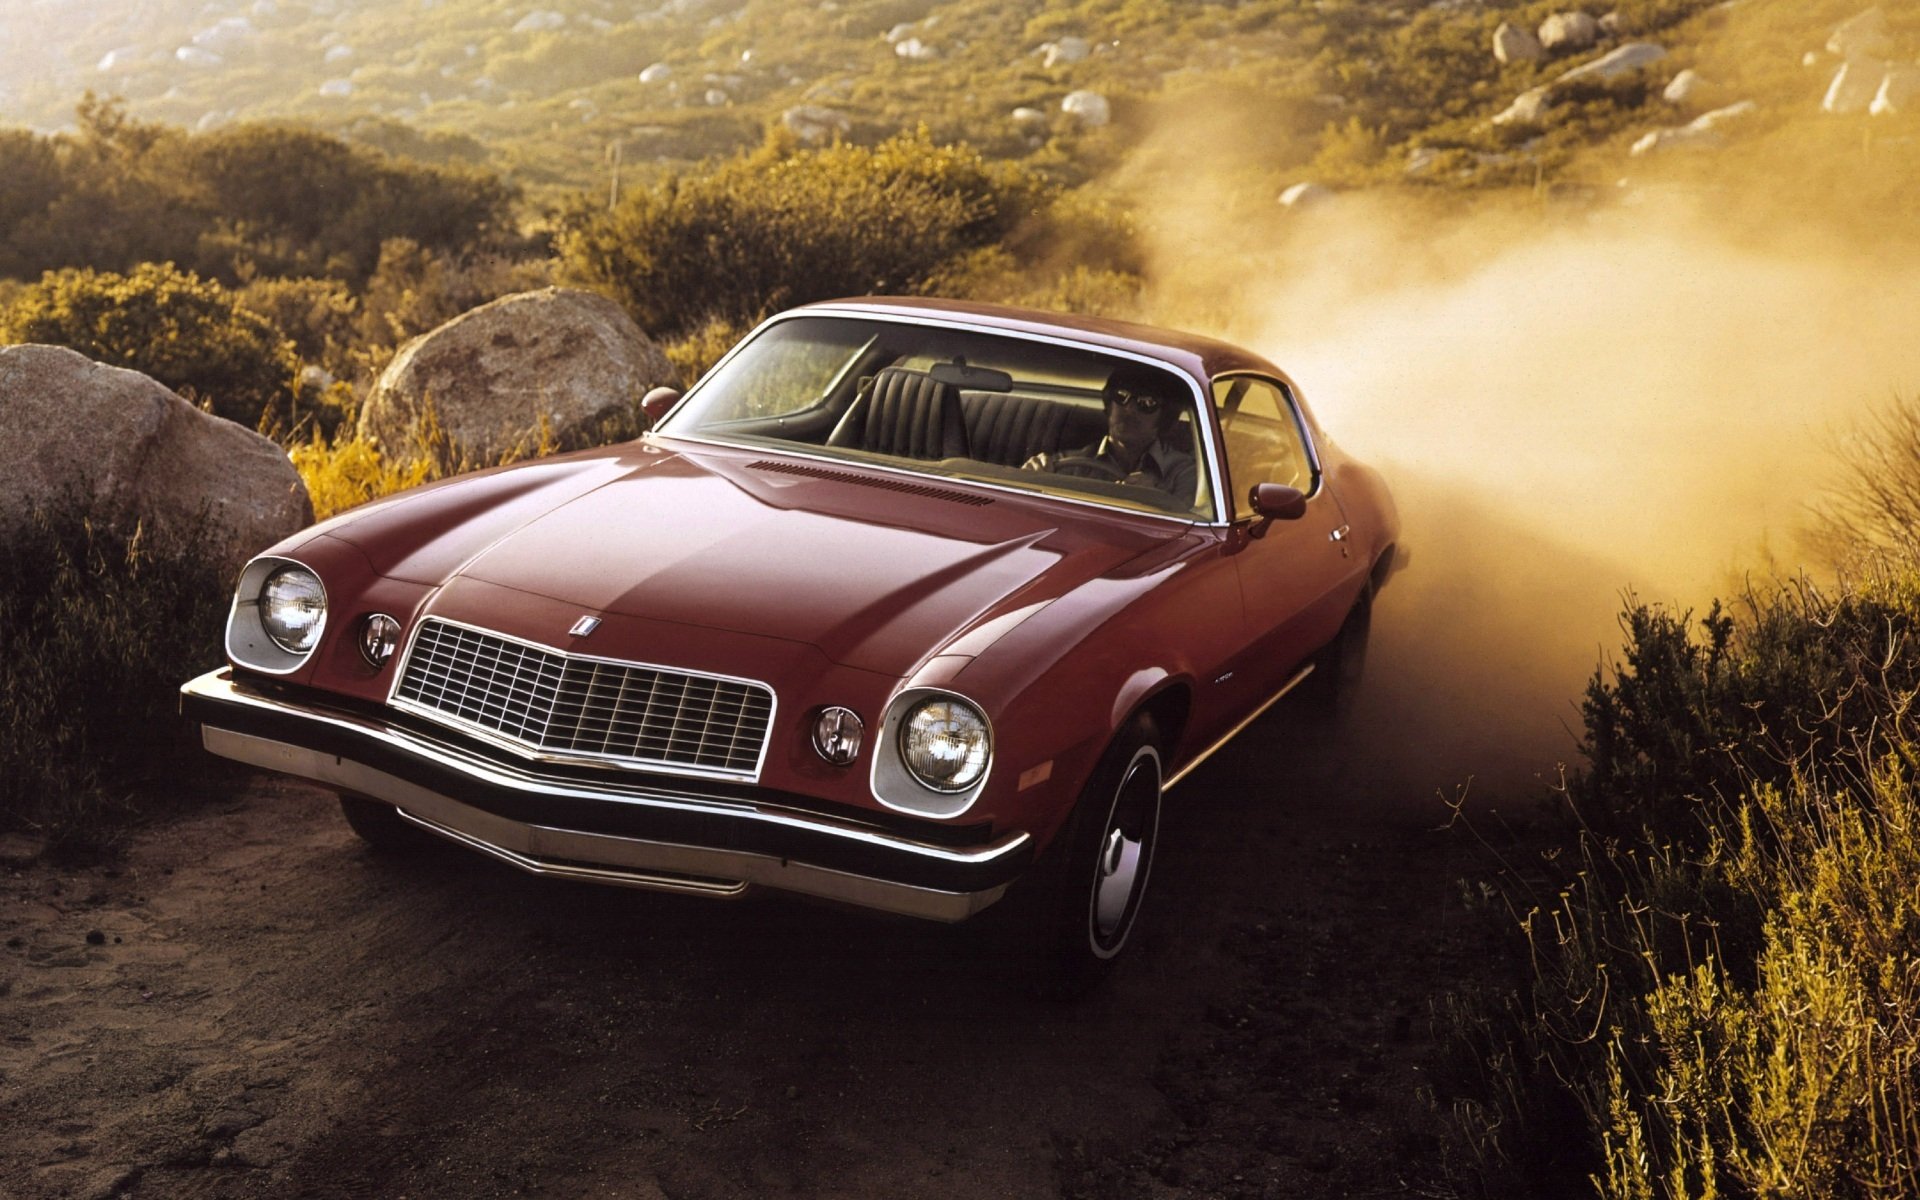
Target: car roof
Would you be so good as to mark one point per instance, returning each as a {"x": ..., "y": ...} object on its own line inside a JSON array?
[{"x": 1198, "y": 355}]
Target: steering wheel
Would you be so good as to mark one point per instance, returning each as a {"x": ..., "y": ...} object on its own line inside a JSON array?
[{"x": 1090, "y": 468}]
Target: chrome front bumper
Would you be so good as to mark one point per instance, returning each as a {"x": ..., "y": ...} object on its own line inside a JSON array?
[{"x": 626, "y": 832}]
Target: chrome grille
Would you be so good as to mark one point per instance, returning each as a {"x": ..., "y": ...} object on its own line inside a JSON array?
[{"x": 566, "y": 706}]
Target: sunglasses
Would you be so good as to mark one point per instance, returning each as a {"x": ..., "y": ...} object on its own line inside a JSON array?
[{"x": 1134, "y": 400}]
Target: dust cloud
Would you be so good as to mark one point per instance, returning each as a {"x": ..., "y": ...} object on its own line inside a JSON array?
[{"x": 1571, "y": 401}]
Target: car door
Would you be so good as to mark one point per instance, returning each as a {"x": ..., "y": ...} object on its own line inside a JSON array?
[{"x": 1297, "y": 577}]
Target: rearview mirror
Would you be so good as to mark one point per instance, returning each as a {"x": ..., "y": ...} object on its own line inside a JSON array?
[
  {"x": 974, "y": 379},
  {"x": 1278, "y": 502},
  {"x": 657, "y": 403}
]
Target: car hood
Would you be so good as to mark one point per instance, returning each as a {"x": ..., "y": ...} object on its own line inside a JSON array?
[{"x": 878, "y": 571}]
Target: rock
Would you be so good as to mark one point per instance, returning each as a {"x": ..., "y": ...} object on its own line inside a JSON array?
[
  {"x": 1306, "y": 195},
  {"x": 1613, "y": 24},
  {"x": 1028, "y": 118},
  {"x": 1625, "y": 60},
  {"x": 336, "y": 54},
  {"x": 1568, "y": 32},
  {"x": 337, "y": 89},
  {"x": 1089, "y": 108},
  {"x": 1684, "y": 88},
  {"x": 915, "y": 50},
  {"x": 1899, "y": 92},
  {"x": 1863, "y": 36},
  {"x": 1513, "y": 44},
  {"x": 816, "y": 125},
  {"x": 1701, "y": 133},
  {"x": 716, "y": 98},
  {"x": 569, "y": 356},
  {"x": 656, "y": 73},
  {"x": 1719, "y": 117},
  {"x": 122, "y": 59},
  {"x": 197, "y": 56},
  {"x": 1422, "y": 160},
  {"x": 129, "y": 450},
  {"x": 1854, "y": 87},
  {"x": 1065, "y": 52},
  {"x": 540, "y": 20},
  {"x": 1528, "y": 108},
  {"x": 901, "y": 32}
]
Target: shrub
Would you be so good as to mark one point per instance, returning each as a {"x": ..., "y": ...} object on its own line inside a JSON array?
[
  {"x": 1726, "y": 961},
  {"x": 102, "y": 629},
  {"x": 189, "y": 333},
  {"x": 292, "y": 200},
  {"x": 1874, "y": 507},
  {"x": 316, "y": 315},
  {"x": 347, "y": 471},
  {"x": 782, "y": 226}
]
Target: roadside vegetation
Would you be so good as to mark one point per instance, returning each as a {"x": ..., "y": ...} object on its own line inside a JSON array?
[
  {"x": 1719, "y": 993},
  {"x": 102, "y": 627}
]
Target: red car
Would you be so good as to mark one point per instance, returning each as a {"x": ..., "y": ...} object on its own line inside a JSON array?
[{"x": 907, "y": 604}]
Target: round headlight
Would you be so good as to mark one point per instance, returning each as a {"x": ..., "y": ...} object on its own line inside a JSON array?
[
  {"x": 379, "y": 638},
  {"x": 944, "y": 743},
  {"x": 293, "y": 607}
]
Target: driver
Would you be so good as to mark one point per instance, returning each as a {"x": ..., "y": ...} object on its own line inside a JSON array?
[{"x": 1142, "y": 410}]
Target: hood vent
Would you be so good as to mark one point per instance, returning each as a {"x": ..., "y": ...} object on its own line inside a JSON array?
[{"x": 889, "y": 485}]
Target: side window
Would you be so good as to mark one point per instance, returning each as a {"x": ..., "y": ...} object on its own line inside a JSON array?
[{"x": 1263, "y": 438}]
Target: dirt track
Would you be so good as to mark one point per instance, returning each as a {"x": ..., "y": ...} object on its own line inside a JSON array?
[{"x": 252, "y": 1005}]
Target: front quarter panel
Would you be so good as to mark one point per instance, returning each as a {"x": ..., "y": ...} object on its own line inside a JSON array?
[{"x": 1059, "y": 684}]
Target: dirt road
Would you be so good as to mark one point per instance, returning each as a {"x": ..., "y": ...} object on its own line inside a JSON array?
[{"x": 251, "y": 1005}]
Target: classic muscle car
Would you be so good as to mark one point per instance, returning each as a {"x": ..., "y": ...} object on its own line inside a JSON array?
[{"x": 906, "y": 604}]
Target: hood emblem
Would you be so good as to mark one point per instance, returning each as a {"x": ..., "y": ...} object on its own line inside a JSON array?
[{"x": 584, "y": 626}]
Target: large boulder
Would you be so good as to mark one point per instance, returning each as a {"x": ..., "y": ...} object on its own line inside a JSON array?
[
  {"x": 1854, "y": 86},
  {"x": 1703, "y": 132},
  {"x": 1065, "y": 52},
  {"x": 1528, "y": 108},
  {"x": 1899, "y": 92},
  {"x": 816, "y": 125},
  {"x": 491, "y": 376},
  {"x": 1568, "y": 31},
  {"x": 1684, "y": 89},
  {"x": 1624, "y": 60},
  {"x": 1863, "y": 36},
  {"x": 1089, "y": 108},
  {"x": 1306, "y": 195},
  {"x": 127, "y": 450},
  {"x": 1513, "y": 44}
]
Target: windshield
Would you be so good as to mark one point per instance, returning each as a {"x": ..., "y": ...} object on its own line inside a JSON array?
[{"x": 961, "y": 404}]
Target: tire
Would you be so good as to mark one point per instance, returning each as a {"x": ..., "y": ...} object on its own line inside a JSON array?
[
  {"x": 1327, "y": 695},
  {"x": 381, "y": 826},
  {"x": 1091, "y": 885}
]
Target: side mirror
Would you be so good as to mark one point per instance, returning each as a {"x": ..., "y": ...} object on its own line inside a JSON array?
[
  {"x": 1278, "y": 502},
  {"x": 657, "y": 403}
]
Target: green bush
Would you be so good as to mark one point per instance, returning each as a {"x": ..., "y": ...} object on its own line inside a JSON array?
[
  {"x": 783, "y": 226},
  {"x": 102, "y": 629},
  {"x": 247, "y": 201},
  {"x": 285, "y": 200},
  {"x": 189, "y": 333}
]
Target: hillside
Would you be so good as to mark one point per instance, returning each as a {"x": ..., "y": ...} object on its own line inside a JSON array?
[{"x": 559, "y": 93}]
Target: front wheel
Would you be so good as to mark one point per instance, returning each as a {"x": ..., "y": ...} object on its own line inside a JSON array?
[{"x": 1094, "y": 879}]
